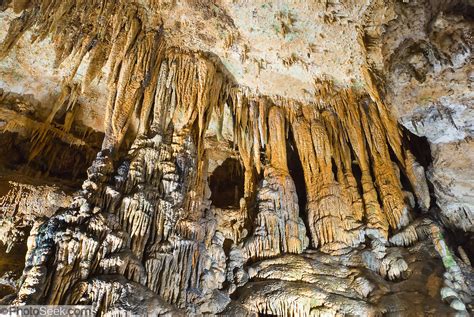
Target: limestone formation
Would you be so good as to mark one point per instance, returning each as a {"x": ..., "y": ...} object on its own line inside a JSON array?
[{"x": 156, "y": 179}]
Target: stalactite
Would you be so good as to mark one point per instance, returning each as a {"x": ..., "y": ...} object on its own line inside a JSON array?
[
  {"x": 126, "y": 90},
  {"x": 389, "y": 187},
  {"x": 393, "y": 134},
  {"x": 278, "y": 229},
  {"x": 97, "y": 61},
  {"x": 243, "y": 139},
  {"x": 342, "y": 158},
  {"x": 332, "y": 224},
  {"x": 16, "y": 29},
  {"x": 347, "y": 108}
]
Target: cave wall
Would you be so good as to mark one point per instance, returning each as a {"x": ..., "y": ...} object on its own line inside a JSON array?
[{"x": 427, "y": 81}]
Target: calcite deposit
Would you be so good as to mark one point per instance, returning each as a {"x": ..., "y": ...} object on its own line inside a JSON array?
[{"x": 245, "y": 158}]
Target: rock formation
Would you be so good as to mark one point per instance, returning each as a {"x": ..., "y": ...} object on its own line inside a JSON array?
[{"x": 156, "y": 177}]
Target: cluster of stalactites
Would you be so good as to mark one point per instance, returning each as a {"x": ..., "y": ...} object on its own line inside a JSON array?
[
  {"x": 103, "y": 29},
  {"x": 340, "y": 131},
  {"x": 45, "y": 138},
  {"x": 344, "y": 142},
  {"x": 184, "y": 91},
  {"x": 348, "y": 130},
  {"x": 121, "y": 36},
  {"x": 155, "y": 90},
  {"x": 109, "y": 32}
]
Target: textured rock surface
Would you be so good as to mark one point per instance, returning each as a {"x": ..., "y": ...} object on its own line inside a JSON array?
[
  {"x": 24, "y": 204},
  {"x": 428, "y": 58},
  {"x": 237, "y": 157},
  {"x": 276, "y": 48}
]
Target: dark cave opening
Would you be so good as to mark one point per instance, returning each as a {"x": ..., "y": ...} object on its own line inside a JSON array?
[
  {"x": 355, "y": 168},
  {"x": 11, "y": 264},
  {"x": 460, "y": 7},
  {"x": 297, "y": 174},
  {"x": 227, "y": 184},
  {"x": 334, "y": 167},
  {"x": 227, "y": 246},
  {"x": 455, "y": 237},
  {"x": 357, "y": 173},
  {"x": 420, "y": 148},
  {"x": 56, "y": 160},
  {"x": 10, "y": 154},
  {"x": 458, "y": 238},
  {"x": 406, "y": 185}
]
